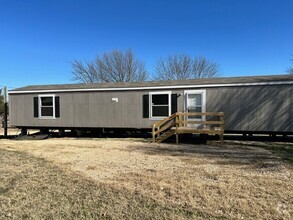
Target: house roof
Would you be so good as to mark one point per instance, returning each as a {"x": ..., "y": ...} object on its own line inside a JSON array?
[{"x": 204, "y": 83}]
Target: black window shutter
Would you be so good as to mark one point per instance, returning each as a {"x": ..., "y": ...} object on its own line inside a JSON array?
[
  {"x": 145, "y": 106},
  {"x": 36, "y": 107},
  {"x": 173, "y": 103},
  {"x": 57, "y": 107}
]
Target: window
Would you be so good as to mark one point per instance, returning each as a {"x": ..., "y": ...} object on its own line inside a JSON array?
[
  {"x": 160, "y": 105},
  {"x": 47, "y": 106}
]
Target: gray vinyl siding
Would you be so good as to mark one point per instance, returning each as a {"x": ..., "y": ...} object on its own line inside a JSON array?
[
  {"x": 85, "y": 109},
  {"x": 247, "y": 108},
  {"x": 256, "y": 108}
]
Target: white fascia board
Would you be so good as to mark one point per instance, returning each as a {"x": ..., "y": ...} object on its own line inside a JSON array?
[{"x": 156, "y": 87}]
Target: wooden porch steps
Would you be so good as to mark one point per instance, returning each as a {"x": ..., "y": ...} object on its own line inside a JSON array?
[{"x": 165, "y": 135}]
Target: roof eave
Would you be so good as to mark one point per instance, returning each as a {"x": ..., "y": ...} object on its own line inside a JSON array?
[{"x": 153, "y": 87}]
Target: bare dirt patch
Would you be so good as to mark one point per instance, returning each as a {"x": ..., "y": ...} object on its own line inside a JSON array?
[
  {"x": 10, "y": 131},
  {"x": 218, "y": 181},
  {"x": 15, "y": 131}
]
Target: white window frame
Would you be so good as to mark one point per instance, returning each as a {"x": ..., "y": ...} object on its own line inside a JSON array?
[
  {"x": 40, "y": 106},
  {"x": 198, "y": 91},
  {"x": 151, "y": 104}
]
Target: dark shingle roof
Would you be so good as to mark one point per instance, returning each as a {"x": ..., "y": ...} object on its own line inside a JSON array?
[{"x": 209, "y": 81}]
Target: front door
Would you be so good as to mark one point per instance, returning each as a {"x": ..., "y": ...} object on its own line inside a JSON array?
[{"x": 195, "y": 102}]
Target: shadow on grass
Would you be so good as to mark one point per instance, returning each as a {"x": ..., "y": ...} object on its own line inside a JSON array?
[
  {"x": 226, "y": 154},
  {"x": 283, "y": 150}
]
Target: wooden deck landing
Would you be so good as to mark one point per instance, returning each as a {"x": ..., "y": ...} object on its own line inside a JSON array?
[{"x": 178, "y": 123}]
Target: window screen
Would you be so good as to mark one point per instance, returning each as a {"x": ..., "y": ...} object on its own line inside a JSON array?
[
  {"x": 47, "y": 111},
  {"x": 160, "y": 105},
  {"x": 160, "y": 99}
]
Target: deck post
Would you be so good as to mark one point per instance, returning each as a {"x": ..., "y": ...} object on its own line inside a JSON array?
[
  {"x": 181, "y": 119},
  {"x": 153, "y": 134},
  {"x": 222, "y": 138},
  {"x": 177, "y": 120},
  {"x": 158, "y": 135},
  {"x": 222, "y": 127}
]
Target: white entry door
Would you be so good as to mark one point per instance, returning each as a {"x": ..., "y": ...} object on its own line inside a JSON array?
[{"x": 195, "y": 101}]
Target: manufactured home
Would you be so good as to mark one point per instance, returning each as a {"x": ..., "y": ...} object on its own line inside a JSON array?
[{"x": 259, "y": 104}]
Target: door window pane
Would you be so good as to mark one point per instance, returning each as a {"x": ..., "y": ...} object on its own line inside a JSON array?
[
  {"x": 194, "y": 109},
  {"x": 194, "y": 104},
  {"x": 194, "y": 99}
]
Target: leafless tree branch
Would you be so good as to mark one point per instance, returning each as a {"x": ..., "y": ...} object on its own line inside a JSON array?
[
  {"x": 182, "y": 66},
  {"x": 85, "y": 73},
  {"x": 114, "y": 66},
  {"x": 204, "y": 68},
  {"x": 290, "y": 69}
]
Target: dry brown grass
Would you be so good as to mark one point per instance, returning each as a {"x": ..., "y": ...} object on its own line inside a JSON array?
[
  {"x": 149, "y": 180},
  {"x": 33, "y": 188}
]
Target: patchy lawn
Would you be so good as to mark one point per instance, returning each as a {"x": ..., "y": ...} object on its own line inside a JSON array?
[
  {"x": 283, "y": 150},
  {"x": 131, "y": 178}
]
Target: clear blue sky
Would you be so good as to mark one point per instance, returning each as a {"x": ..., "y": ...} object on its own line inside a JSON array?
[{"x": 38, "y": 39}]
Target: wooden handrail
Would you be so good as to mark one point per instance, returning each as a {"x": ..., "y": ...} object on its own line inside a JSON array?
[
  {"x": 201, "y": 122},
  {"x": 164, "y": 128},
  {"x": 201, "y": 113},
  {"x": 159, "y": 123}
]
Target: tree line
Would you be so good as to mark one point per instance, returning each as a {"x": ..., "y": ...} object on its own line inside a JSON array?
[{"x": 123, "y": 66}]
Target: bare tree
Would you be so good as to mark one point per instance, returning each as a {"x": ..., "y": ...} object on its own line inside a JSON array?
[
  {"x": 174, "y": 67},
  {"x": 205, "y": 68},
  {"x": 86, "y": 73},
  {"x": 182, "y": 66},
  {"x": 290, "y": 69},
  {"x": 114, "y": 66}
]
